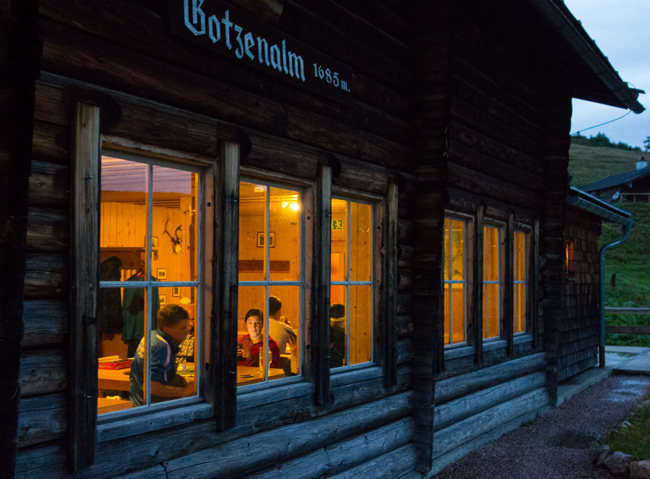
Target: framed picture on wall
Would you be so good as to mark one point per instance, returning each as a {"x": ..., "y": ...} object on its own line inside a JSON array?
[
  {"x": 176, "y": 291},
  {"x": 261, "y": 239},
  {"x": 163, "y": 299},
  {"x": 161, "y": 273},
  {"x": 154, "y": 241}
]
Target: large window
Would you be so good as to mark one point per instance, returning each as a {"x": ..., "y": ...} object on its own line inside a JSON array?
[
  {"x": 491, "y": 281},
  {"x": 270, "y": 282},
  {"x": 455, "y": 280},
  {"x": 351, "y": 284},
  {"x": 149, "y": 314},
  {"x": 520, "y": 261}
]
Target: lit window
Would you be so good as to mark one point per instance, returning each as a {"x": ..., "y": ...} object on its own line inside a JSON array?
[
  {"x": 520, "y": 261},
  {"x": 351, "y": 284},
  {"x": 270, "y": 283},
  {"x": 570, "y": 265},
  {"x": 455, "y": 281},
  {"x": 491, "y": 282},
  {"x": 149, "y": 282}
]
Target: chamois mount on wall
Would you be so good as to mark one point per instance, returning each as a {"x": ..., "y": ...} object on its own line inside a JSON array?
[{"x": 177, "y": 239}]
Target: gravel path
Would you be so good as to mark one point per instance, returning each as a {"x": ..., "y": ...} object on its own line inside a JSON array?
[{"x": 562, "y": 443}]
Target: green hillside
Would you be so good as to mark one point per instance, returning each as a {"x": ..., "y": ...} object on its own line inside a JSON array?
[
  {"x": 589, "y": 164},
  {"x": 630, "y": 262}
]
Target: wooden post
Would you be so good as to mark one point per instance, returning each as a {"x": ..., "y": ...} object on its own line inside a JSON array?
[
  {"x": 223, "y": 352},
  {"x": 477, "y": 292},
  {"x": 390, "y": 282},
  {"x": 507, "y": 318},
  {"x": 533, "y": 306},
  {"x": 321, "y": 283},
  {"x": 86, "y": 151},
  {"x": 21, "y": 52}
]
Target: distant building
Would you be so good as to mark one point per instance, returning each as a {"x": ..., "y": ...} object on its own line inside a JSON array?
[{"x": 632, "y": 186}]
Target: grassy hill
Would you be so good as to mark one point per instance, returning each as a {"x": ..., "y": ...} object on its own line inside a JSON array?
[
  {"x": 589, "y": 164},
  {"x": 630, "y": 262}
]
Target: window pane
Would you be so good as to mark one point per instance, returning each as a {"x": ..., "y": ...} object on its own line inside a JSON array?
[
  {"x": 520, "y": 256},
  {"x": 458, "y": 312},
  {"x": 447, "y": 314},
  {"x": 458, "y": 250},
  {"x": 447, "y": 250},
  {"x": 360, "y": 242},
  {"x": 338, "y": 326},
  {"x": 251, "y": 325},
  {"x": 339, "y": 240},
  {"x": 124, "y": 214},
  {"x": 491, "y": 254},
  {"x": 284, "y": 236},
  {"x": 252, "y": 232},
  {"x": 174, "y": 225},
  {"x": 284, "y": 329},
  {"x": 360, "y": 324},
  {"x": 491, "y": 310},
  {"x": 520, "y": 308}
]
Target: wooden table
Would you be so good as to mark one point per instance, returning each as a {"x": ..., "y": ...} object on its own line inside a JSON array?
[
  {"x": 109, "y": 405},
  {"x": 251, "y": 374},
  {"x": 119, "y": 379}
]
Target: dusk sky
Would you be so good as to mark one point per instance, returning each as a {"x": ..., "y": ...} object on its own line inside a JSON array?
[{"x": 620, "y": 29}]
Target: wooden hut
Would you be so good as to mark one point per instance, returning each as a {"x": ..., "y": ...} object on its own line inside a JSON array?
[
  {"x": 394, "y": 172},
  {"x": 631, "y": 186}
]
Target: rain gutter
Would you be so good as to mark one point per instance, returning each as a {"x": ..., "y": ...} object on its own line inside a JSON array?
[{"x": 570, "y": 29}]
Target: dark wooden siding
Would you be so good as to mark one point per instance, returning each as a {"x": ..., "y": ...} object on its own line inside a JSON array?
[
  {"x": 580, "y": 326},
  {"x": 175, "y": 95}
]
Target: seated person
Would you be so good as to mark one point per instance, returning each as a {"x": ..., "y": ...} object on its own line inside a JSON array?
[
  {"x": 165, "y": 383},
  {"x": 187, "y": 346},
  {"x": 337, "y": 335},
  {"x": 254, "y": 340}
]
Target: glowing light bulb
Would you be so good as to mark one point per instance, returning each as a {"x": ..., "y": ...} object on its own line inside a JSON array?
[{"x": 295, "y": 206}]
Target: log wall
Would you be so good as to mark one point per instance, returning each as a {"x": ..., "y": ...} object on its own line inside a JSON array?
[
  {"x": 580, "y": 327},
  {"x": 156, "y": 90}
]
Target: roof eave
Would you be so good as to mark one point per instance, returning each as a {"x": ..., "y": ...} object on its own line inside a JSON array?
[{"x": 570, "y": 29}]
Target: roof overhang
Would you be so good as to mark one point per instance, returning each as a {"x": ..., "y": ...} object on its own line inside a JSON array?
[{"x": 610, "y": 88}]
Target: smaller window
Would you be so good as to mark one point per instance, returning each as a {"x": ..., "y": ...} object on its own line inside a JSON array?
[
  {"x": 491, "y": 281},
  {"x": 520, "y": 287},
  {"x": 351, "y": 284},
  {"x": 455, "y": 281},
  {"x": 570, "y": 264}
]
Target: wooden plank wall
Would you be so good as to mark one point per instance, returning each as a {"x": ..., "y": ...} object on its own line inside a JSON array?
[
  {"x": 497, "y": 137},
  {"x": 19, "y": 58},
  {"x": 580, "y": 327},
  {"x": 176, "y": 96}
]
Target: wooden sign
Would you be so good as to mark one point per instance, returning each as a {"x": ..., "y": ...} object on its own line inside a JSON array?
[{"x": 235, "y": 34}]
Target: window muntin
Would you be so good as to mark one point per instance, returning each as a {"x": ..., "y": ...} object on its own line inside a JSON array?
[
  {"x": 520, "y": 261},
  {"x": 351, "y": 294},
  {"x": 455, "y": 280},
  {"x": 270, "y": 255},
  {"x": 491, "y": 281},
  {"x": 149, "y": 237}
]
